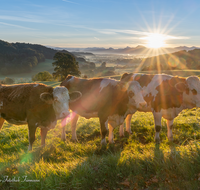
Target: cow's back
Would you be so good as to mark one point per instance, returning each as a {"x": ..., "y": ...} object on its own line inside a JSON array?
[
  {"x": 97, "y": 94},
  {"x": 158, "y": 89},
  {"x": 21, "y": 102}
]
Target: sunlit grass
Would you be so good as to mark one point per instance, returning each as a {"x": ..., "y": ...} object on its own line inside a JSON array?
[{"x": 132, "y": 162}]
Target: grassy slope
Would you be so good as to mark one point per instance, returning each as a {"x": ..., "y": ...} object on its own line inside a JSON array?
[
  {"x": 133, "y": 162},
  {"x": 44, "y": 66}
]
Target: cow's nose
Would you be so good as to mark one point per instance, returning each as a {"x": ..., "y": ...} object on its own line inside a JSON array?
[
  {"x": 143, "y": 104},
  {"x": 65, "y": 114}
]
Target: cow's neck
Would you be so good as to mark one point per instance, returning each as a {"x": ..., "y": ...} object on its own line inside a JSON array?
[{"x": 187, "y": 101}]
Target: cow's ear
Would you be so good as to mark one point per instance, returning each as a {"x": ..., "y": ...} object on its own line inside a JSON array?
[
  {"x": 181, "y": 87},
  {"x": 47, "y": 97},
  {"x": 74, "y": 96}
]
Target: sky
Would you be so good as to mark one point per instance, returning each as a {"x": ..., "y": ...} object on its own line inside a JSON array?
[{"x": 100, "y": 23}]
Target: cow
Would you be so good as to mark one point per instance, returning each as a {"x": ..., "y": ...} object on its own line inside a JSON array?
[
  {"x": 35, "y": 104},
  {"x": 166, "y": 97},
  {"x": 108, "y": 99}
]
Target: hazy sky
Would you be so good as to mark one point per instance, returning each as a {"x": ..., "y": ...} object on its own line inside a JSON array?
[{"x": 100, "y": 23}]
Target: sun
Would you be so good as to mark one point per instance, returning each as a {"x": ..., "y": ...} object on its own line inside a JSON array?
[{"x": 155, "y": 40}]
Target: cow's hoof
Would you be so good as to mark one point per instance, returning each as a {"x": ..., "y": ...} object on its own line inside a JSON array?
[
  {"x": 42, "y": 146},
  {"x": 103, "y": 142},
  {"x": 63, "y": 138},
  {"x": 111, "y": 142},
  {"x": 74, "y": 140},
  {"x": 171, "y": 139},
  {"x": 157, "y": 141},
  {"x": 129, "y": 132}
]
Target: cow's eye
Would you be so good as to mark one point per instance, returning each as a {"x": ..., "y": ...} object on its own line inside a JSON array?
[
  {"x": 194, "y": 92},
  {"x": 131, "y": 94}
]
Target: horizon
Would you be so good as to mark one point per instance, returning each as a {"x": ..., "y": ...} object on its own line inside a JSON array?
[{"x": 101, "y": 23}]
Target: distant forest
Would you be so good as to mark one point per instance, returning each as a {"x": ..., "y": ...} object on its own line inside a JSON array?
[{"x": 22, "y": 57}]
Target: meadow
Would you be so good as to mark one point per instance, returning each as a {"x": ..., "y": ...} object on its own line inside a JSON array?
[
  {"x": 132, "y": 162},
  {"x": 24, "y": 77}
]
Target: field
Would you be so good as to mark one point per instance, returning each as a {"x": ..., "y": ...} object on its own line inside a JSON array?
[
  {"x": 133, "y": 162},
  {"x": 47, "y": 66},
  {"x": 44, "y": 66}
]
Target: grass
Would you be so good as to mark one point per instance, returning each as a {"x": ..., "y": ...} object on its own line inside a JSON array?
[
  {"x": 44, "y": 66},
  {"x": 133, "y": 162}
]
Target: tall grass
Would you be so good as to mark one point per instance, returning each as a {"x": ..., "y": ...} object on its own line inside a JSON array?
[{"x": 133, "y": 162}]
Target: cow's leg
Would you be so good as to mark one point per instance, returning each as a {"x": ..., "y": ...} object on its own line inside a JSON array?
[
  {"x": 31, "y": 135},
  {"x": 111, "y": 135},
  {"x": 63, "y": 135},
  {"x": 121, "y": 130},
  {"x": 1, "y": 122},
  {"x": 128, "y": 123},
  {"x": 157, "y": 120},
  {"x": 43, "y": 133},
  {"x": 74, "y": 120},
  {"x": 104, "y": 129},
  {"x": 169, "y": 129}
]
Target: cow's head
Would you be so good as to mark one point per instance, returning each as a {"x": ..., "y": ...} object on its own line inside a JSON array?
[
  {"x": 60, "y": 99},
  {"x": 135, "y": 95},
  {"x": 191, "y": 89}
]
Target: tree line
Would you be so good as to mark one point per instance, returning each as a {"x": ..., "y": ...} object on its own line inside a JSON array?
[{"x": 22, "y": 57}]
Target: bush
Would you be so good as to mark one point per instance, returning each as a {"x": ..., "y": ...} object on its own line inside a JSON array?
[
  {"x": 43, "y": 76},
  {"x": 7, "y": 80}
]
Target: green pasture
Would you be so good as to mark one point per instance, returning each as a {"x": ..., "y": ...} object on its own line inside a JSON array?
[
  {"x": 133, "y": 162},
  {"x": 47, "y": 66},
  {"x": 44, "y": 66}
]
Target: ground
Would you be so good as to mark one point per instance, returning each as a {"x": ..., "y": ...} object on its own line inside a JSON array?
[{"x": 133, "y": 162}]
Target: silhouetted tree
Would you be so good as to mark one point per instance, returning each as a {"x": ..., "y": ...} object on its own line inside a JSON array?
[{"x": 65, "y": 64}]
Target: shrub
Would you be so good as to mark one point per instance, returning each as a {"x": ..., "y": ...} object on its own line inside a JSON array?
[
  {"x": 7, "y": 80},
  {"x": 42, "y": 76}
]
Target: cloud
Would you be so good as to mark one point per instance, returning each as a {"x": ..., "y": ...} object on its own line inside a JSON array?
[
  {"x": 177, "y": 37},
  {"x": 18, "y": 26},
  {"x": 70, "y": 2},
  {"x": 117, "y": 31},
  {"x": 96, "y": 38},
  {"x": 21, "y": 19},
  {"x": 164, "y": 37}
]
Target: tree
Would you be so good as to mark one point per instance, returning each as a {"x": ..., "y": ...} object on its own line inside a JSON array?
[
  {"x": 103, "y": 65},
  {"x": 65, "y": 64},
  {"x": 42, "y": 76}
]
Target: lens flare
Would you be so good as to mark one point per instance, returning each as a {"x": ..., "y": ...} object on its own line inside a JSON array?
[
  {"x": 173, "y": 61},
  {"x": 65, "y": 121}
]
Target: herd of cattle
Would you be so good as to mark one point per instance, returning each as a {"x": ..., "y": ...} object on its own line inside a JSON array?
[{"x": 112, "y": 101}]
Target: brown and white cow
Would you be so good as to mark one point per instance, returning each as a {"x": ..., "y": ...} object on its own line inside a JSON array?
[
  {"x": 108, "y": 99},
  {"x": 166, "y": 97},
  {"x": 34, "y": 104}
]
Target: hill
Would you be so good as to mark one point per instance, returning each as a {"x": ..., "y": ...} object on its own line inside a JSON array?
[
  {"x": 22, "y": 57},
  {"x": 138, "y": 50},
  {"x": 18, "y": 58},
  {"x": 171, "y": 61}
]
